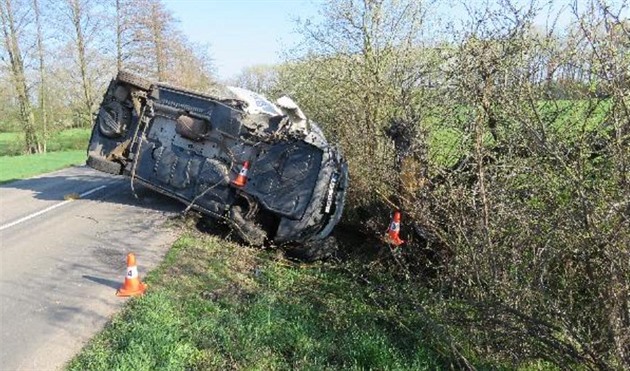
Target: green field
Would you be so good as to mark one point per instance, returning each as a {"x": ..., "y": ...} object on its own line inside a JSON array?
[
  {"x": 12, "y": 144},
  {"x": 213, "y": 304},
  {"x": 20, "y": 167},
  {"x": 565, "y": 120}
]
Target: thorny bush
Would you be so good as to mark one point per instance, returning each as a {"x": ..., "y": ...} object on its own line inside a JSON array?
[{"x": 507, "y": 147}]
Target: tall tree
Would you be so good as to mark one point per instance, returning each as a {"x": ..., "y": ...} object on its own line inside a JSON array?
[
  {"x": 127, "y": 14},
  {"x": 153, "y": 35},
  {"x": 157, "y": 22},
  {"x": 42, "y": 74},
  {"x": 189, "y": 67},
  {"x": 120, "y": 28},
  {"x": 149, "y": 43},
  {"x": 260, "y": 78},
  {"x": 16, "y": 61},
  {"x": 78, "y": 13}
]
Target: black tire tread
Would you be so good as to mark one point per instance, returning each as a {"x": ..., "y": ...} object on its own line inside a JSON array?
[
  {"x": 101, "y": 164},
  {"x": 248, "y": 231},
  {"x": 311, "y": 251}
]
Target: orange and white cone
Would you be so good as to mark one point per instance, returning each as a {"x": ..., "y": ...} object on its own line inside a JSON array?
[
  {"x": 394, "y": 230},
  {"x": 241, "y": 179},
  {"x": 132, "y": 285}
]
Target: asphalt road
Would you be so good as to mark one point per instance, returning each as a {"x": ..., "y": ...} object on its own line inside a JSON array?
[{"x": 62, "y": 261}]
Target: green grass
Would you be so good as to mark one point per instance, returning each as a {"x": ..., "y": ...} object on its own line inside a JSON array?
[
  {"x": 20, "y": 167},
  {"x": 216, "y": 305},
  {"x": 564, "y": 120},
  {"x": 69, "y": 139},
  {"x": 12, "y": 144}
]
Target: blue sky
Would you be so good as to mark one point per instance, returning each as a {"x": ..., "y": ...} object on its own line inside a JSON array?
[{"x": 241, "y": 33}]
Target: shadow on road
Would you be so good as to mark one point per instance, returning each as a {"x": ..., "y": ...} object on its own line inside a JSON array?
[
  {"x": 8, "y": 181},
  {"x": 103, "y": 281},
  {"x": 59, "y": 185}
]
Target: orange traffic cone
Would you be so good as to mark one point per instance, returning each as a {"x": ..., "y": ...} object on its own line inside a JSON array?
[
  {"x": 241, "y": 179},
  {"x": 394, "y": 230},
  {"x": 132, "y": 285}
]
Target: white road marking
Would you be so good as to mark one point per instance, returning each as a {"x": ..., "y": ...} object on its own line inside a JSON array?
[{"x": 29, "y": 217}]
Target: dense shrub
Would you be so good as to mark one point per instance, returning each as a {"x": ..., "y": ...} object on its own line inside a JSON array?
[{"x": 516, "y": 198}]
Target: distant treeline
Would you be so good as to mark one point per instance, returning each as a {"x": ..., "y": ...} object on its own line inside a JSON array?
[{"x": 59, "y": 55}]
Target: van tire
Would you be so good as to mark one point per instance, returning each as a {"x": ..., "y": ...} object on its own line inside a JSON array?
[{"x": 101, "y": 164}]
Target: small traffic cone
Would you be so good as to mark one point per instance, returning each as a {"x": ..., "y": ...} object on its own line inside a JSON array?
[
  {"x": 132, "y": 285},
  {"x": 394, "y": 230},
  {"x": 241, "y": 179}
]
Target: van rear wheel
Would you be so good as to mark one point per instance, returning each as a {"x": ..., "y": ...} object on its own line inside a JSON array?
[
  {"x": 101, "y": 164},
  {"x": 311, "y": 251}
]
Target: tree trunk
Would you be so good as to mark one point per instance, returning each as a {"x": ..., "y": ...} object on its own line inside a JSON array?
[
  {"x": 42, "y": 75},
  {"x": 77, "y": 14},
  {"x": 119, "y": 35},
  {"x": 19, "y": 80},
  {"x": 158, "y": 40}
]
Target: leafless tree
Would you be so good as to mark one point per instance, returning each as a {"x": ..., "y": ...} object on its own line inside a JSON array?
[
  {"x": 258, "y": 78},
  {"x": 149, "y": 43},
  {"x": 73, "y": 47},
  {"x": 78, "y": 11},
  {"x": 152, "y": 31},
  {"x": 11, "y": 40},
  {"x": 121, "y": 26}
]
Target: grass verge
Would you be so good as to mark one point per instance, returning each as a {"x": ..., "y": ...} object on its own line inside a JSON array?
[
  {"x": 12, "y": 144},
  {"x": 20, "y": 167},
  {"x": 215, "y": 305}
]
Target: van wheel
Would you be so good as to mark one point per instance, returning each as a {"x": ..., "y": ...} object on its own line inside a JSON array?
[
  {"x": 247, "y": 230},
  {"x": 314, "y": 250},
  {"x": 101, "y": 164}
]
